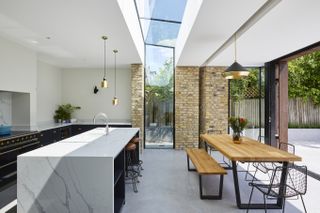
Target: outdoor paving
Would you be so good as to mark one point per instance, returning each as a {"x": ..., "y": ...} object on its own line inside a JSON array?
[{"x": 307, "y": 143}]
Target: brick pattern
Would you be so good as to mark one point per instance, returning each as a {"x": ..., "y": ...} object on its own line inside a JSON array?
[
  {"x": 194, "y": 88},
  {"x": 137, "y": 94},
  {"x": 186, "y": 107},
  {"x": 213, "y": 100}
]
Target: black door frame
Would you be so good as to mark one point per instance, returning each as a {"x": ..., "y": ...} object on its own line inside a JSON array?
[{"x": 271, "y": 93}]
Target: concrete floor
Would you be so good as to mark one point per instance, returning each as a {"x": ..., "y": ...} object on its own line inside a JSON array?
[{"x": 167, "y": 186}]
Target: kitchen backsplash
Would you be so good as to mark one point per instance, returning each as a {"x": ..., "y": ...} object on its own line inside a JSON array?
[{"x": 5, "y": 108}]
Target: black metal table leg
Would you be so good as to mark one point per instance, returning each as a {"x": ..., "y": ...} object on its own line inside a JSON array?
[
  {"x": 236, "y": 183},
  {"x": 211, "y": 197},
  {"x": 283, "y": 180},
  {"x": 241, "y": 205},
  {"x": 188, "y": 163}
]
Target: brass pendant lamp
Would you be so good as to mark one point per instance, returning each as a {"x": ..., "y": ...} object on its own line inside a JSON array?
[
  {"x": 104, "y": 82},
  {"x": 115, "y": 100},
  {"x": 235, "y": 71}
]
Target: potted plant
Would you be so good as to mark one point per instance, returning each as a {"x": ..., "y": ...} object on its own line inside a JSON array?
[
  {"x": 63, "y": 113},
  {"x": 237, "y": 125}
]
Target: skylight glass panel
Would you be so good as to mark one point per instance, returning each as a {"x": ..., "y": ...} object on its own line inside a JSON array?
[
  {"x": 170, "y": 10},
  {"x": 160, "y": 33}
]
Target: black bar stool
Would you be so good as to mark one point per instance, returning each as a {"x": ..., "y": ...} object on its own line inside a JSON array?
[
  {"x": 136, "y": 160},
  {"x": 131, "y": 173}
]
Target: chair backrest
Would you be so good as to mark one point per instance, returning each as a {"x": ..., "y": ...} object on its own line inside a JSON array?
[
  {"x": 296, "y": 181},
  {"x": 287, "y": 147}
]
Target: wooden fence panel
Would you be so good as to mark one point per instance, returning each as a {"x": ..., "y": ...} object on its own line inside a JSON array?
[
  {"x": 300, "y": 112},
  {"x": 249, "y": 109},
  {"x": 303, "y": 112}
]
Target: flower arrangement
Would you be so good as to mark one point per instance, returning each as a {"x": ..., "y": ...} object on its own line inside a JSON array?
[{"x": 237, "y": 124}]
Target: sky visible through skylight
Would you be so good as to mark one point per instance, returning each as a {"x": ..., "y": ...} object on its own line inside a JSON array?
[
  {"x": 162, "y": 32},
  {"x": 160, "y": 22}
]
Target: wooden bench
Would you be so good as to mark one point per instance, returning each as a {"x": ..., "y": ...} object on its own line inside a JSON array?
[{"x": 205, "y": 165}]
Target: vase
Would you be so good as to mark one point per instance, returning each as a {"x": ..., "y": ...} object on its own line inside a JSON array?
[{"x": 236, "y": 137}]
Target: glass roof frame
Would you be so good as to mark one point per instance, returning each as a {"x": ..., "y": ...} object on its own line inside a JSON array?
[{"x": 145, "y": 30}]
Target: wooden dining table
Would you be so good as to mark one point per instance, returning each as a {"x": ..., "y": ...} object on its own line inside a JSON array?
[{"x": 249, "y": 150}]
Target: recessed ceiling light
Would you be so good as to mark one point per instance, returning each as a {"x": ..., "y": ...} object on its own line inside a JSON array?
[{"x": 33, "y": 41}]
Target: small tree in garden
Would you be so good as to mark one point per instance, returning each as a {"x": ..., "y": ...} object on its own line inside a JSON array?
[
  {"x": 159, "y": 92},
  {"x": 304, "y": 77}
]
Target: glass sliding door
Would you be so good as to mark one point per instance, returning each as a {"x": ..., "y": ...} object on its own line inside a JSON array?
[{"x": 159, "y": 97}]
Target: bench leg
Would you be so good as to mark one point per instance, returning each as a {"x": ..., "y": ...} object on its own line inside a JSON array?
[
  {"x": 211, "y": 197},
  {"x": 188, "y": 163}
]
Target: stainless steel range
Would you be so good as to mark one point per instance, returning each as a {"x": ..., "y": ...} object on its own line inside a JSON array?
[{"x": 11, "y": 146}]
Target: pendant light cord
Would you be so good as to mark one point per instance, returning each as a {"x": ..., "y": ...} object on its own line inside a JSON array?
[
  {"x": 104, "y": 66},
  {"x": 115, "y": 72},
  {"x": 235, "y": 47}
]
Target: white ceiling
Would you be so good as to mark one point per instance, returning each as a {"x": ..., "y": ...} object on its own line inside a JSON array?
[
  {"x": 75, "y": 28},
  {"x": 290, "y": 26},
  {"x": 217, "y": 20}
]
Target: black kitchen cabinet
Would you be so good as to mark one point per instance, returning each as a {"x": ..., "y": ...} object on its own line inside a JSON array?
[
  {"x": 54, "y": 135},
  {"x": 120, "y": 125},
  {"x": 10, "y": 147},
  {"x": 46, "y": 137},
  {"x": 78, "y": 129},
  {"x": 119, "y": 181},
  {"x": 65, "y": 132}
]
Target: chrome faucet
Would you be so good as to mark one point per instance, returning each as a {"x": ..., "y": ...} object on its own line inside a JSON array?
[{"x": 106, "y": 120}]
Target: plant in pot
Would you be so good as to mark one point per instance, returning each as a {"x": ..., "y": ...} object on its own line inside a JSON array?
[
  {"x": 237, "y": 125},
  {"x": 63, "y": 113}
]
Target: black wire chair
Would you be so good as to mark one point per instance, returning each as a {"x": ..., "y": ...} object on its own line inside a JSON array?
[
  {"x": 267, "y": 167},
  {"x": 295, "y": 185}
]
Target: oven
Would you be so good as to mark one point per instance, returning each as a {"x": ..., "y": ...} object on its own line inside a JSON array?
[{"x": 10, "y": 148}]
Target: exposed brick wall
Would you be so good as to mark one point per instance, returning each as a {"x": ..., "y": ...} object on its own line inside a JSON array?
[
  {"x": 213, "y": 100},
  {"x": 137, "y": 94},
  {"x": 194, "y": 88},
  {"x": 186, "y": 107}
]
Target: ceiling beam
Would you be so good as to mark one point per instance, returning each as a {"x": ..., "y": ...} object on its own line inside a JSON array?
[{"x": 261, "y": 12}]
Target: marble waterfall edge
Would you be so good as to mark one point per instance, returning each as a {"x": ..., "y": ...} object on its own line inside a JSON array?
[{"x": 71, "y": 176}]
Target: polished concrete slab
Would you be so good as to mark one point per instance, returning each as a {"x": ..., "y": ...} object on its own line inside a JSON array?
[{"x": 167, "y": 186}]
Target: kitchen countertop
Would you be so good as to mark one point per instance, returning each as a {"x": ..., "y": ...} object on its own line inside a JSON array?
[
  {"x": 93, "y": 143},
  {"x": 51, "y": 125}
]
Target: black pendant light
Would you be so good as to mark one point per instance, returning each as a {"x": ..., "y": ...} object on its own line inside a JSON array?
[
  {"x": 104, "y": 82},
  {"x": 115, "y": 100},
  {"x": 235, "y": 71}
]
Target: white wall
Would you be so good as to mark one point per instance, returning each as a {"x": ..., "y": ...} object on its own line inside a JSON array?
[
  {"x": 49, "y": 83},
  {"x": 18, "y": 72},
  {"x": 77, "y": 87}
]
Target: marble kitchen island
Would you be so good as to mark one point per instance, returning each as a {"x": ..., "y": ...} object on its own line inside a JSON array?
[{"x": 84, "y": 173}]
